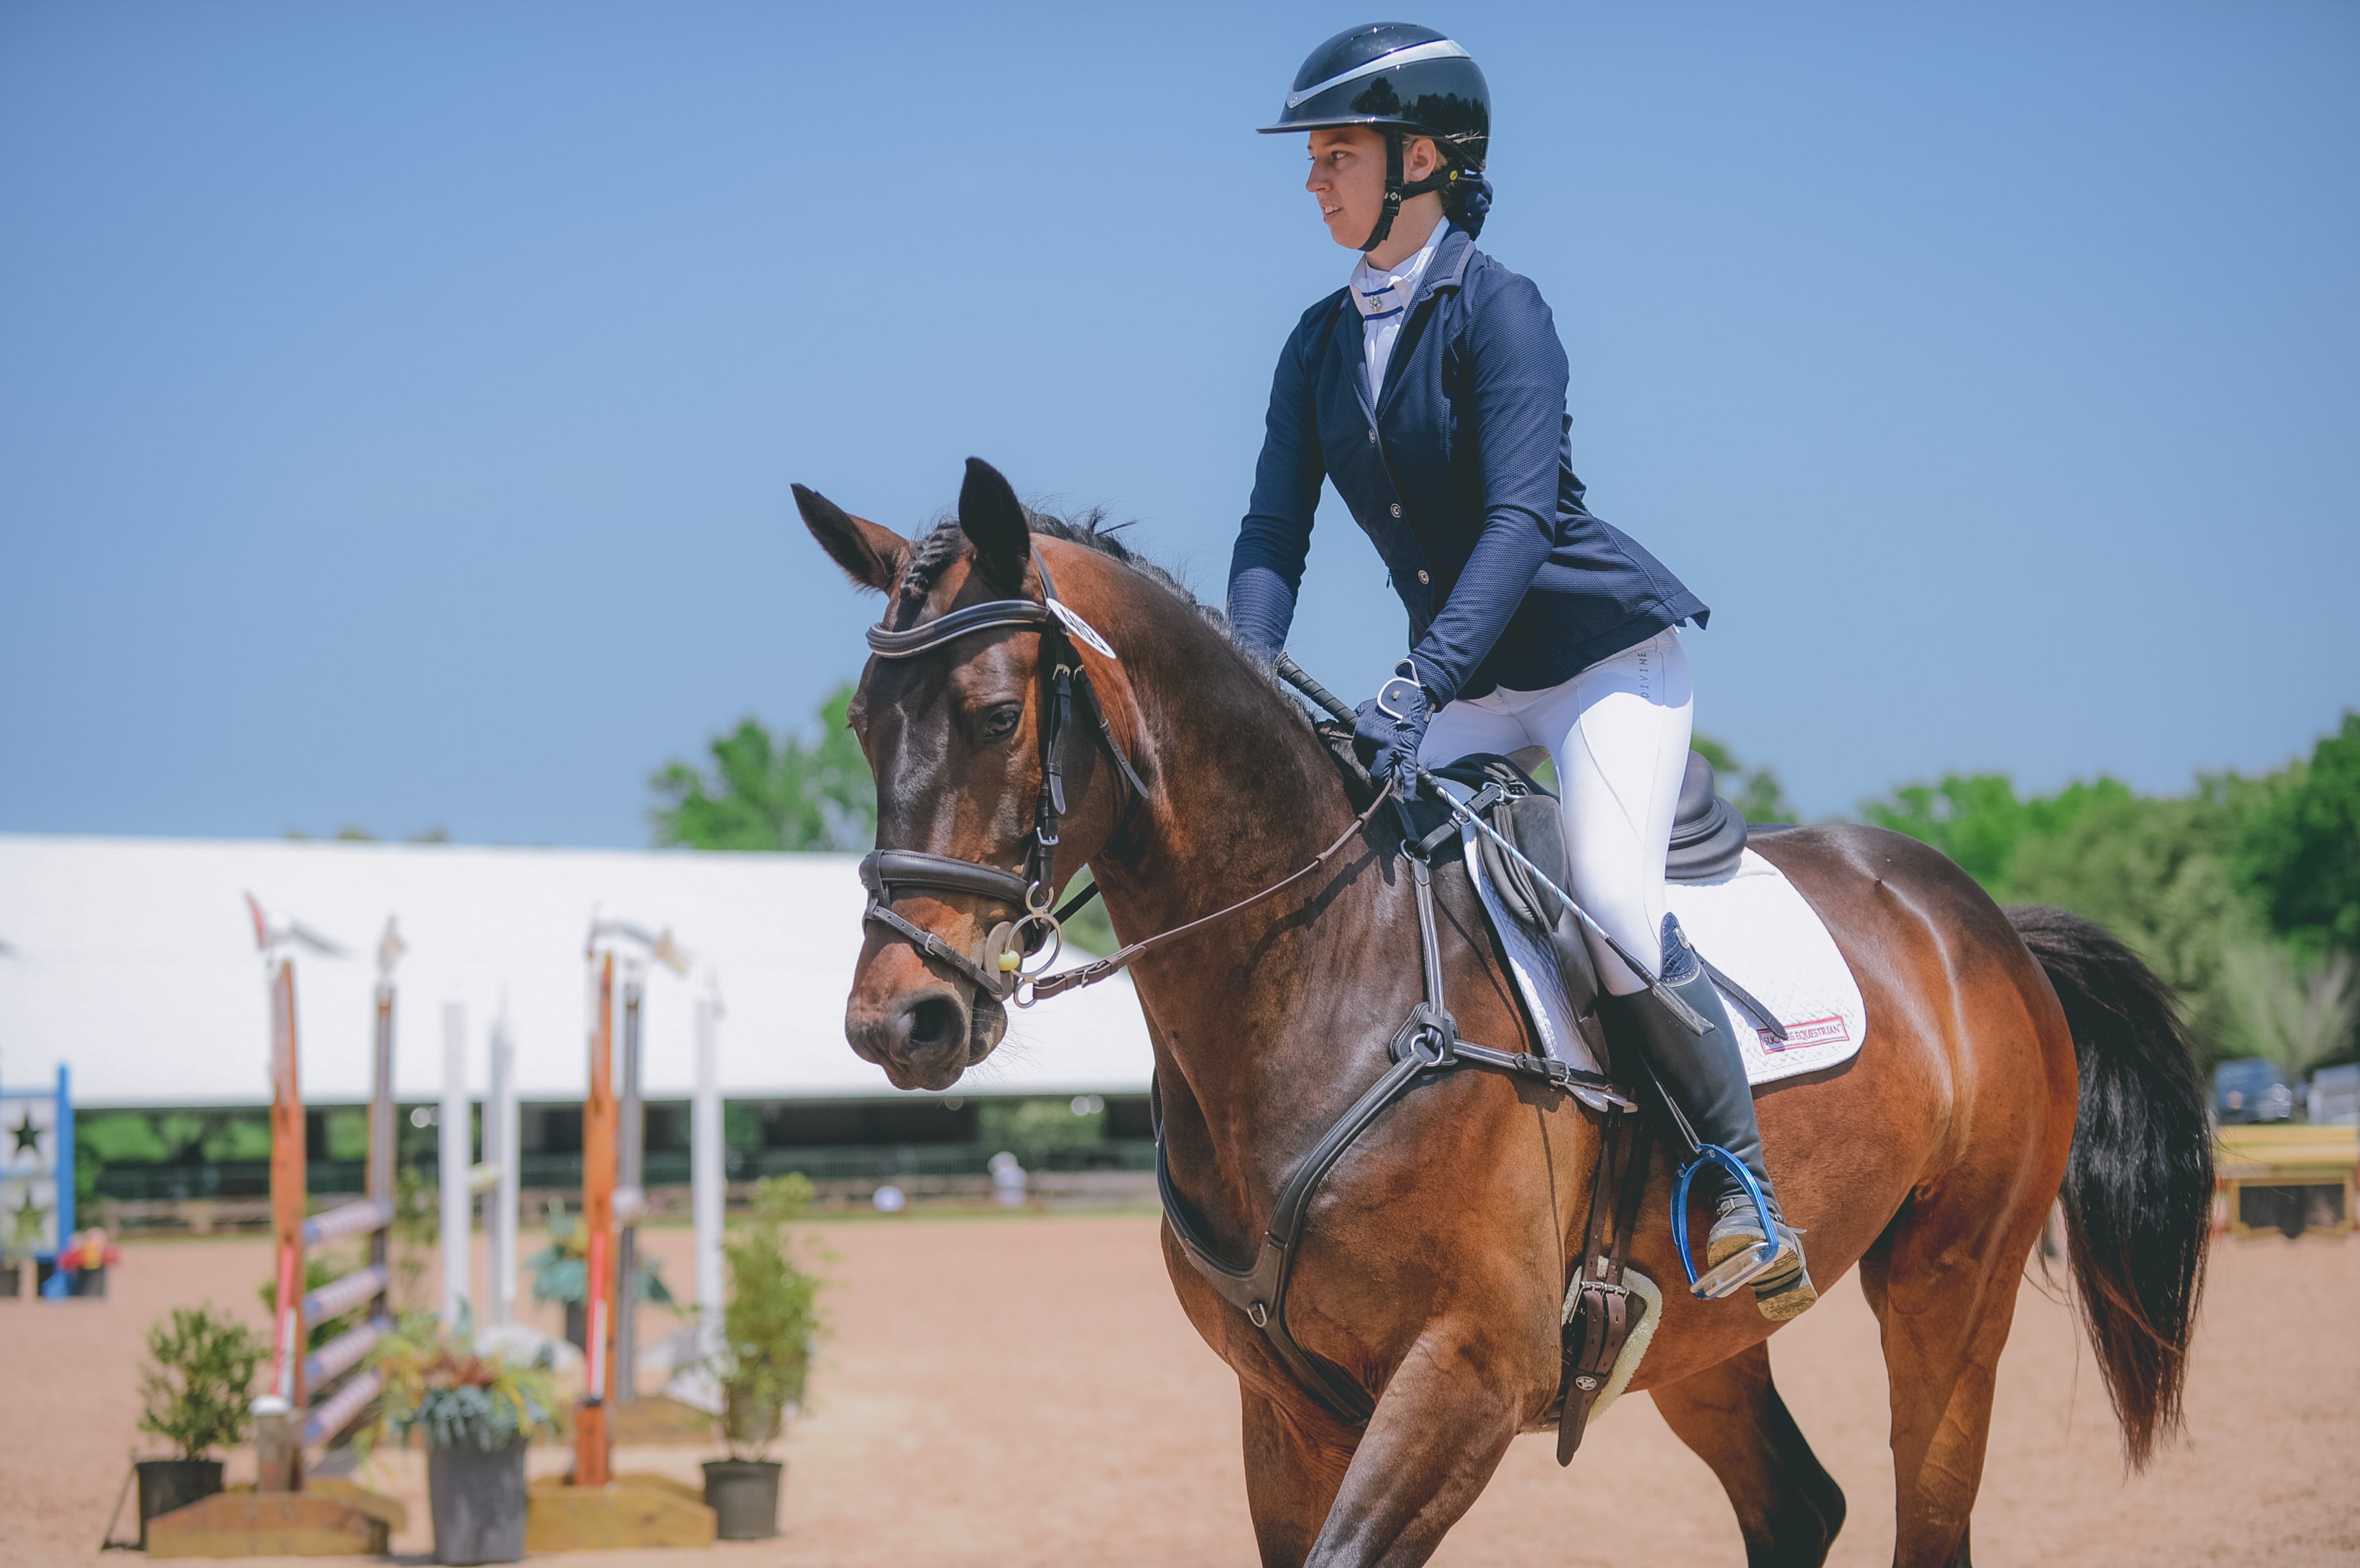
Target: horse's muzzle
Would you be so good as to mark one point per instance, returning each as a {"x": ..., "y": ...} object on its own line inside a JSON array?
[{"x": 926, "y": 1037}]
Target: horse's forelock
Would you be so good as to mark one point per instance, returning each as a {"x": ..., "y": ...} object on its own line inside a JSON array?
[{"x": 944, "y": 543}]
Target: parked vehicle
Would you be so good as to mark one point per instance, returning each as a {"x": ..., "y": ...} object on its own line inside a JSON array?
[
  {"x": 2334, "y": 1099},
  {"x": 2252, "y": 1090}
]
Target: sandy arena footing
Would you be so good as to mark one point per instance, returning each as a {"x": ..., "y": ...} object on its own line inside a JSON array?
[{"x": 1025, "y": 1390}]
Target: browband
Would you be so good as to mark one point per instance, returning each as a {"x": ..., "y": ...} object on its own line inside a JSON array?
[{"x": 930, "y": 635}]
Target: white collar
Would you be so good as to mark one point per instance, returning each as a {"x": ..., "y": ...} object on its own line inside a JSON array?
[{"x": 1381, "y": 295}]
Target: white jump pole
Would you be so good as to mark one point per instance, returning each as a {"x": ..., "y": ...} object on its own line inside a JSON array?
[
  {"x": 453, "y": 1140},
  {"x": 501, "y": 1151},
  {"x": 708, "y": 1178}
]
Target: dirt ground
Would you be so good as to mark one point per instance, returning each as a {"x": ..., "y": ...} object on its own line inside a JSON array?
[{"x": 1025, "y": 1390}]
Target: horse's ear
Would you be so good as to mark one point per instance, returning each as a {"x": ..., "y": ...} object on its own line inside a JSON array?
[
  {"x": 994, "y": 523},
  {"x": 870, "y": 554}
]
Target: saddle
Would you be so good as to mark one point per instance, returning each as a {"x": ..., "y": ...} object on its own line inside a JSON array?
[{"x": 1707, "y": 838}]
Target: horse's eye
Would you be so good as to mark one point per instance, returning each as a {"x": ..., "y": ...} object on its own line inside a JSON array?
[{"x": 1001, "y": 720}]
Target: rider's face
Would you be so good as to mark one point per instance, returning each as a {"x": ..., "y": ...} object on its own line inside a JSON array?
[{"x": 1348, "y": 178}]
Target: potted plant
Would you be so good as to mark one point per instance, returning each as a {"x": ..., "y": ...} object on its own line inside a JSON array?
[
  {"x": 561, "y": 1272},
  {"x": 195, "y": 1393},
  {"x": 85, "y": 1263},
  {"x": 476, "y": 1414},
  {"x": 769, "y": 1327}
]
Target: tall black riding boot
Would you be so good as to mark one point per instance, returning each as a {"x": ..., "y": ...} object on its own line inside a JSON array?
[{"x": 1705, "y": 1076}]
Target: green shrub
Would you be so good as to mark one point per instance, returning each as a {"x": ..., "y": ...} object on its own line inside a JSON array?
[
  {"x": 1029, "y": 1127},
  {"x": 772, "y": 1320},
  {"x": 196, "y": 1391}
]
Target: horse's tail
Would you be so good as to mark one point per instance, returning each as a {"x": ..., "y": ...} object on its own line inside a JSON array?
[{"x": 2138, "y": 1183}]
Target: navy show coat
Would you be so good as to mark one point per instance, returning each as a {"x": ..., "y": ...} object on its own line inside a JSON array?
[{"x": 1460, "y": 471}]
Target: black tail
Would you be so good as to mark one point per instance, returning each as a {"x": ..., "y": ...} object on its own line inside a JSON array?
[{"x": 2138, "y": 1185}]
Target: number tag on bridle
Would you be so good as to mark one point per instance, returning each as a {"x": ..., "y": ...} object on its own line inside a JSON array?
[{"x": 1081, "y": 628}]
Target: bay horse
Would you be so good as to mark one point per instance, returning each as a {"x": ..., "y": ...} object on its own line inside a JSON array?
[{"x": 2008, "y": 1057}]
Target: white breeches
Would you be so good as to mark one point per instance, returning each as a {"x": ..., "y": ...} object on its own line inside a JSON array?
[{"x": 1618, "y": 733}]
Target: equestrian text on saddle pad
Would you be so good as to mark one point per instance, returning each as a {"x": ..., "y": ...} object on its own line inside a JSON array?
[{"x": 1754, "y": 928}]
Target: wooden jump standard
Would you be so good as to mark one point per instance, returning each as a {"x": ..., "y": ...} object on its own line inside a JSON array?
[
  {"x": 283, "y": 1517},
  {"x": 602, "y": 1508}
]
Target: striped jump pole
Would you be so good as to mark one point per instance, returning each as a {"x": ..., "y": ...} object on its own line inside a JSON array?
[
  {"x": 612, "y": 1197},
  {"x": 288, "y": 1422}
]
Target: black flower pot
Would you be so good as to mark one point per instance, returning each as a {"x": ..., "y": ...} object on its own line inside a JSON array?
[
  {"x": 577, "y": 1326},
  {"x": 169, "y": 1484},
  {"x": 477, "y": 1499},
  {"x": 744, "y": 1496}
]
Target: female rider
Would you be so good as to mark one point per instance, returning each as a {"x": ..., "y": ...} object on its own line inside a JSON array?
[{"x": 1431, "y": 390}]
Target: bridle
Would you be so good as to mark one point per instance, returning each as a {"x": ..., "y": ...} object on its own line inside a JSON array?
[
  {"x": 1001, "y": 974},
  {"x": 1008, "y": 970}
]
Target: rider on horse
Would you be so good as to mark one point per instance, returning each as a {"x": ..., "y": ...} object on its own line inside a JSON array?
[{"x": 1431, "y": 390}]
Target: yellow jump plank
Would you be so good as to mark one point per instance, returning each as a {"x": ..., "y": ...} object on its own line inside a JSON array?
[
  {"x": 627, "y": 1512},
  {"x": 267, "y": 1524}
]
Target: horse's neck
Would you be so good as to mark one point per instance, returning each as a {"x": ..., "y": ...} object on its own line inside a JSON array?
[{"x": 1247, "y": 1012}]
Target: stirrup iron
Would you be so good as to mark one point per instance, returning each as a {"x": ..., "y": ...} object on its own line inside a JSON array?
[{"x": 1742, "y": 1268}]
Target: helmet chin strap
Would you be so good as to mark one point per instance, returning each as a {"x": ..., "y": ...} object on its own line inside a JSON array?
[{"x": 1397, "y": 191}]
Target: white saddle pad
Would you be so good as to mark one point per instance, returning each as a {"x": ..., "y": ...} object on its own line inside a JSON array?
[{"x": 1758, "y": 931}]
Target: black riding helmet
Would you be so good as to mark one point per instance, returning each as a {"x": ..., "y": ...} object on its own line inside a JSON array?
[{"x": 1406, "y": 80}]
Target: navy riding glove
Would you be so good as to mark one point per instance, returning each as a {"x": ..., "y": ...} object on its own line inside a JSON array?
[{"x": 1389, "y": 729}]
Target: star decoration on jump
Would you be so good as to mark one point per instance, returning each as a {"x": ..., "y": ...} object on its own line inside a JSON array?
[
  {"x": 28, "y": 1136},
  {"x": 28, "y": 1220}
]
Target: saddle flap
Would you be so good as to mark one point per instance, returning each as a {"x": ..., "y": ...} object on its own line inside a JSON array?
[{"x": 1531, "y": 819}]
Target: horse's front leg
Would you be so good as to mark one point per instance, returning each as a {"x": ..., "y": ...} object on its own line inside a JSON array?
[
  {"x": 1297, "y": 1455},
  {"x": 1447, "y": 1417}
]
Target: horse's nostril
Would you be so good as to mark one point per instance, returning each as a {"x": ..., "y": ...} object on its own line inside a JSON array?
[{"x": 935, "y": 1023}]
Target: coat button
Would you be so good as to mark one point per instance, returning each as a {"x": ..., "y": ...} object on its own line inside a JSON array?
[
  {"x": 1372, "y": 438},
  {"x": 1422, "y": 577},
  {"x": 1397, "y": 509}
]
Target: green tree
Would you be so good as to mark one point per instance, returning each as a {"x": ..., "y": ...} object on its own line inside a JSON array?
[
  {"x": 1973, "y": 818},
  {"x": 2158, "y": 873},
  {"x": 773, "y": 792},
  {"x": 2296, "y": 1014},
  {"x": 1029, "y": 1127},
  {"x": 1978, "y": 821},
  {"x": 2301, "y": 848}
]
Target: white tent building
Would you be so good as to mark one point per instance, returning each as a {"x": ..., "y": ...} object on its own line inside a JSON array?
[{"x": 132, "y": 961}]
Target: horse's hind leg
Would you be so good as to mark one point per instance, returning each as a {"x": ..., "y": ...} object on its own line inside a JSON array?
[
  {"x": 1943, "y": 1281},
  {"x": 1788, "y": 1507}
]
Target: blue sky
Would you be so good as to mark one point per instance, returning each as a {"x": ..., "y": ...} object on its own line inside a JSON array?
[{"x": 398, "y": 404}]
